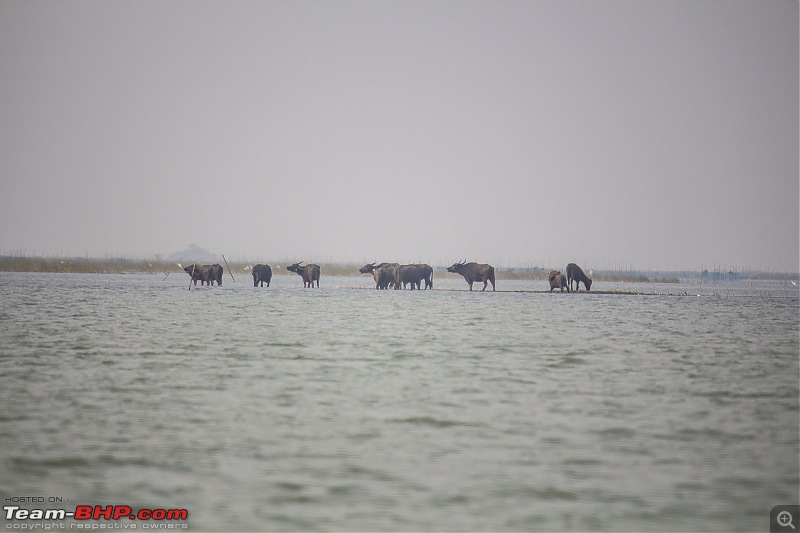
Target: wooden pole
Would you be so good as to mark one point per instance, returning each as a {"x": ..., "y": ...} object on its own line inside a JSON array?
[
  {"x": 165, "y": 277},
  {"x": 229, "y": 268}
]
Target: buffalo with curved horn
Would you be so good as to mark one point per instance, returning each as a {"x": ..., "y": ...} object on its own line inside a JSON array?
[
  {"x": 309, "y": 273},
  {"x": 385, "y": 274},
  {"x": 473, "y": 272}
]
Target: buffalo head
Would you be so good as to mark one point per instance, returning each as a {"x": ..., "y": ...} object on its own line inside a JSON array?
[
  {"x": 296, "y": 268},
  {"x": 367, "y": 269},
  {"x": 456, "y": 267}
]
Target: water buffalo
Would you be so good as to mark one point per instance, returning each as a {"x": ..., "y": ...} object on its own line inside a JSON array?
[
  {"x": 197, "y": 273},
  {"x": 385, "y": 277},
  {"x": 262, "y": 274},
  {"x": 557, "y": 281},
  {"x": 574, "y": 273},
  {"x": 216, "y": 273},
  {"x": 427, "y": 275},
  {"x": 474, "y": 272},
  {"x": 310, "y": 273},
  {"x": 205, "y": 274},
  {"x": 414, "y": 274},
  {"x": 383, "y": 274}
]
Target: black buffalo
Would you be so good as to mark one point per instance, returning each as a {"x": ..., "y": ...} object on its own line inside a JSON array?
[
  {"x": 427, "y": 274},
  {"x": 473, "y": 272},
  {"x": 383, "y": 274},
  {"x": 414, "y": 274},
  {"x": 216, "y": 273},
  {"x": 574, "y": 273},
  {"x": 262, "y": 274},
  {"x": 557, "y": 281},
  {"x": 310, "y": 273},
  {"x": 385, "y": 277},
  {"x": 205, "y": 274},
  {"x": 198, "y": 273}
]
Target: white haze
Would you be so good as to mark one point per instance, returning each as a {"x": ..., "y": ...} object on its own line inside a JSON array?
[{"x": 657, "y": 135}]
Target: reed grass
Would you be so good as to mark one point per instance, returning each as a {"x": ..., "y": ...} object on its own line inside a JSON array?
[
  {"x": 88, "y": 265},
  {"x": 633, "y": 278},
  {"x": 79, "y": 265}
]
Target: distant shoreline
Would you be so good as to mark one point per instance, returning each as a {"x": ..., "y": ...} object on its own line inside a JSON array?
[{"x": 88, "y": 265}]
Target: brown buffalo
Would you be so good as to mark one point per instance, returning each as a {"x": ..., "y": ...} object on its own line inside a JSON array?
[
  {"x": 383, "y": 274},
  {"x": 557, "y": 281},
  {"x": 473, "y": 272},
  {"x": 205, "y": 274},
  {"x": 309, "y": 273}
]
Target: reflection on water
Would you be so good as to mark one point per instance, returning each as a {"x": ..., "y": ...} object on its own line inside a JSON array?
[{"x": 343, "y": 409}]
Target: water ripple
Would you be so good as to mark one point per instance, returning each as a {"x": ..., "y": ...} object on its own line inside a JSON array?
[{"x": 333, "y": 409}]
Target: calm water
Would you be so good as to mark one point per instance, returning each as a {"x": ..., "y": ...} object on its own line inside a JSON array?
[{"x": 343, "y": 409}]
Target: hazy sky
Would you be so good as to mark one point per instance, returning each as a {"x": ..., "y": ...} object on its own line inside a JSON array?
[{"x": 649, "y": 134}]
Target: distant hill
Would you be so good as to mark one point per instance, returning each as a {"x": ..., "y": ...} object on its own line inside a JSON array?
[{"x": 193, "y": 253}]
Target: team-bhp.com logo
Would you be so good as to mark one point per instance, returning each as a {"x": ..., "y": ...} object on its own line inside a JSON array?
[{"x": 94, "y": 513}]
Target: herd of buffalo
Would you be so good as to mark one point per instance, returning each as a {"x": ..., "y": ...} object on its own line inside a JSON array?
[{"x": 392, "y": 275}]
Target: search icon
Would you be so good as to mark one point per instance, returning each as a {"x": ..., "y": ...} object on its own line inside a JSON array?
[{"x": 785, "y": 519}]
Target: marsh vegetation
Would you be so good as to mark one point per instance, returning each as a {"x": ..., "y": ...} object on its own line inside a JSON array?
[{"x": 119, "y": 265}]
